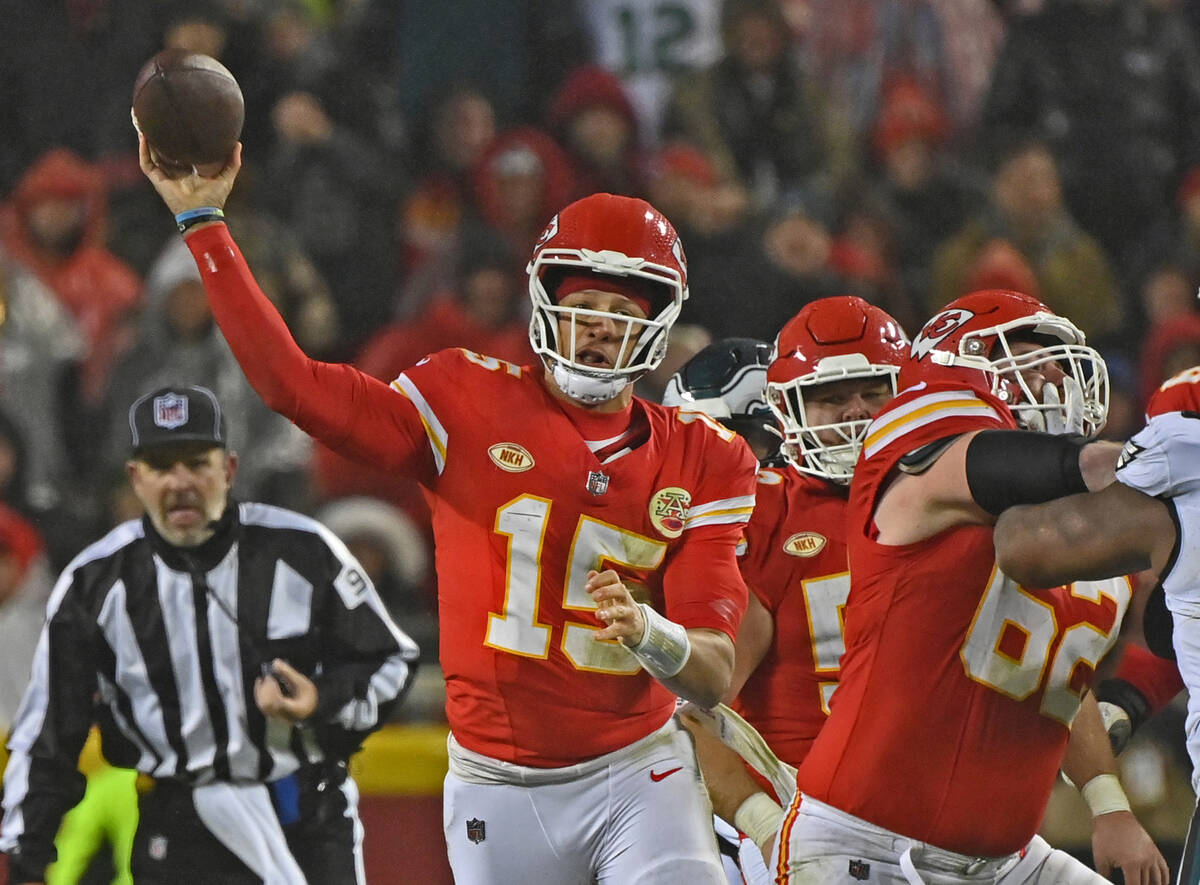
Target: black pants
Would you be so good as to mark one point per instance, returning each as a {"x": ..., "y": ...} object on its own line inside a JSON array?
[{"x": 173, "y": 847}]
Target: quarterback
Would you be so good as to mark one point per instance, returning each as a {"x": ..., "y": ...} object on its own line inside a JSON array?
[{"x": 586, "y": 543}]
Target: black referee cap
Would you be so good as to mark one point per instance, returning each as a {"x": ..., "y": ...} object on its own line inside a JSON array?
[{"x": 176, "y": 415}]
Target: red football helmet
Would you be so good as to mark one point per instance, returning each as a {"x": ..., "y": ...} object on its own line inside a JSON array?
[
  {"x": 831, "y": 339},
  {"x": 606, "y": 236},
  {"x": 1180, "y": 393},
  {"x": 971, "y": 341}
]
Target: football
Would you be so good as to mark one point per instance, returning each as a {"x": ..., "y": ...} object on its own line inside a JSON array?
[{"x": 190, "y": 109}]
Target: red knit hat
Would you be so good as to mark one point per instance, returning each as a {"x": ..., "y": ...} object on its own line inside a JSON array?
[
  {"x": 18, "y": 537},
  {"x": 628, "y": 287}
]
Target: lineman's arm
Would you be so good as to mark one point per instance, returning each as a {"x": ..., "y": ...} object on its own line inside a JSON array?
[
  {"x": 736, "y": 797},
  {"x": 1118, "y": 840},
  {"x": 1116, "y": 531},
  {"x": 751, "y": 646},
  {"x": 974, "y": 477}
]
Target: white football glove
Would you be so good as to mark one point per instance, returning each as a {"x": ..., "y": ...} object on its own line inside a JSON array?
[{"x": 1068, "y": 418}]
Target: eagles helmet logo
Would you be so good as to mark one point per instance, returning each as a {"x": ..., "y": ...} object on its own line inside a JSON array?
[{"x": 1129, "y": 453}]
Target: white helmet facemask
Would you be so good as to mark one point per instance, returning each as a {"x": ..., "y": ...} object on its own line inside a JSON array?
[
  {"x": 1080, "y": 406},
  {"x": 555, "y": 329},
  {"x": 802, "y": 444}
]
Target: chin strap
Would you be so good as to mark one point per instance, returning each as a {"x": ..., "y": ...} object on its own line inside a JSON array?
[{"x": 585, "y": 388}]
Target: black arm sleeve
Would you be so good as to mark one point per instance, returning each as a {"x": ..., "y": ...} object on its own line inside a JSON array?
[{"x": 1010, "y": 467}]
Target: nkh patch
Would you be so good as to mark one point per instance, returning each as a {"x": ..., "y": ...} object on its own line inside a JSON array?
[
  {"x": 859, "y": 869},
  {"x": 170, "y": 411},
  {"x": 476, "y": 830}
]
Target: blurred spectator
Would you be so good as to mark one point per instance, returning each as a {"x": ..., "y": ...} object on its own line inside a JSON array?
[
  {"x": 516, "y": 50},
  {"x": 396, "y": 557},
  {"x": 68, "y": 69},
  {"x": 54, "y": 225},
  {"x": 863, "y": 253},
  {"x": 297, "y": 55},
  {"x": 972, "y": 31},
  {"x": 785, "y": 264},
  {"x": 592, "y": 118},
  {"x": 922, "y": 191},
  {"x": 650, "y": 44},
  {"x": 457, "y": 126},
  {"x": 1168, "y": 348},
  {"x": 336, "y": 192},
  {"x": 714, "y": 223},
  {"x": 1187, "y": 249},
  {"x": 1027, "y": 211},
  {"x": 521, "y": 181},
  {"x": 1125, "y": 407},
  {"x": 179, "y": 343},
  {"x": 855, "y": 46},
  {"x": 1114, "y": 89},
  {"x": 284, "y": 271},
  {"x": 755, "y": 112},
  {"x": 1169, "y": 291},
  {"x": 41, "y": 347},
  {"x": 61, "y": 522},
  {"x": 484, "y": 312},
  {"x": 25, "y": 585}
]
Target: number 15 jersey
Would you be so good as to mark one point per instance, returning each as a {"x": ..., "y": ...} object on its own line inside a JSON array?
[
  {"x": 522, "y": 510},
  {"x": 958, "y": 686}
]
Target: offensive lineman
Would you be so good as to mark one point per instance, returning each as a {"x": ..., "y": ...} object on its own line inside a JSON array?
[
  {"x": 947, "y": 660},
  {"x": 834, "y": 367}
]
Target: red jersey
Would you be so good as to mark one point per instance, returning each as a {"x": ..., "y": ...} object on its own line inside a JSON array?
[
  {"x": 1180, "y": 393},
  {"x": 958, "y": 686},
  {"x": 795, "y": 563},
  {"x": 522, "y": 510}
]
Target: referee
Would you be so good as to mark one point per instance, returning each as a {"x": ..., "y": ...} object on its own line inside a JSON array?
[{"x": 235, "y": 654}]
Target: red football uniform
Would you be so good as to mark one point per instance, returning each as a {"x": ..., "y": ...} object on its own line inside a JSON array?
[
  {"x": 522, "y": 510},
  {"x": 958, "y": 686},
  {"x": 795, "y": 563},
  {"x": 1180, "y": 393}
]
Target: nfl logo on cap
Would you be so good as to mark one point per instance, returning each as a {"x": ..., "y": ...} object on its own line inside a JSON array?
[
  {"x": 170, "y": 411},
  {"x": 174, "y": 415}
]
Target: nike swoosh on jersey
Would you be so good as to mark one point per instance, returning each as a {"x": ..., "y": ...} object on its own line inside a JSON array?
[{"x": 657, "y": 776}]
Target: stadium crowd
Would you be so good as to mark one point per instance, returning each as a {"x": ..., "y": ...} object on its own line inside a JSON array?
[{"x": 403, "y": 157}]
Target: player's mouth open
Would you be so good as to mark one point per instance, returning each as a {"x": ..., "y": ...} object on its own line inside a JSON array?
[{"x": 594, "y": 358}]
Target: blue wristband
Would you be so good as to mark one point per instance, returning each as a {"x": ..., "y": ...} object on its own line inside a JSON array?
[{"x": 189, "y": 217}]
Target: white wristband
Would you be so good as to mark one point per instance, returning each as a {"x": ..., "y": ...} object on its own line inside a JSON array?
[
  {"x": 759, "y": 817},
  {"x": 1104, "y": 795},
  {"x": 665, "y": 648}
]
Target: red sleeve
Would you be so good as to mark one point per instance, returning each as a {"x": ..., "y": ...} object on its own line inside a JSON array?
[
  {"x": 1156, "y": 678},
  {"x": 348, "y": 410},
  {"x": 703, "y": 584}
]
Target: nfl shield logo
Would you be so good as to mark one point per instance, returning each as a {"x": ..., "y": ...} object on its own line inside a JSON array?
[
  {"x": 476, "y": 830},
  {"x": 597, "y": 482},
  {"x": 170, "y": 411},
  {"x": 157, "y": 847},
  {"x": 860, "y": 870}
]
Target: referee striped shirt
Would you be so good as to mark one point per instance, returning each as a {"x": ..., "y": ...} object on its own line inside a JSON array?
[{"x": 161, "y": 646}]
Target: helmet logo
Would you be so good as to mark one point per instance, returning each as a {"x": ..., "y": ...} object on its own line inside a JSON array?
[
  {"x": 668, "y": 510},
  {"x": 804, "y": 544},
  {"x": 677, "y": 251},
  {"x": 937, "y": 330},
  {"x": 510, "y": 457},
  {"x": 548, "y": 233}
]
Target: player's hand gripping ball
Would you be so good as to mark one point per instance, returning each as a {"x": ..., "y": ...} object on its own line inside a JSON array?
[{"x": 190, "y": 109}]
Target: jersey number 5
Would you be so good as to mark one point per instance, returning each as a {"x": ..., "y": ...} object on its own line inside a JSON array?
[{"x": 517, "y": 629}]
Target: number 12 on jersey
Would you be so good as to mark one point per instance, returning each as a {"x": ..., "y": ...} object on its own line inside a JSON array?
[{"x": 517, "y": 629}]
